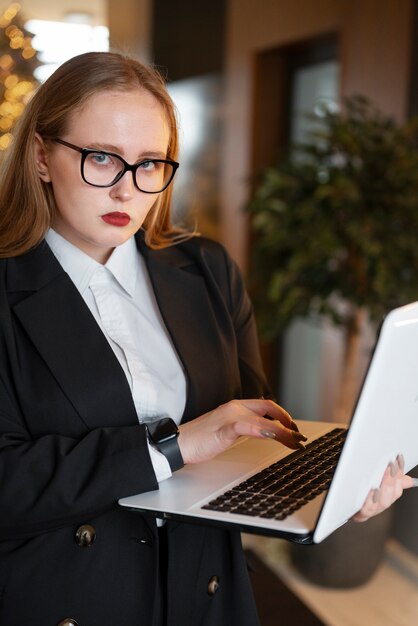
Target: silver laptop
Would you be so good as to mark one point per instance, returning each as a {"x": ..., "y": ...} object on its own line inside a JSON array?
[{"x": 260, "y": 486}]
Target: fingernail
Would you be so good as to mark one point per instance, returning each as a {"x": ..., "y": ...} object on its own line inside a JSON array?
[
  {"x": 267, "y": 434},
  {"x": 299, "y": 437},
  {"x": 376, "y": 495},
  {"x": 294, "y": 426},
  {"x": 401, "y": 462},
  {"x": 300, "y": 445},
  {"x": 393, "y": 469}
]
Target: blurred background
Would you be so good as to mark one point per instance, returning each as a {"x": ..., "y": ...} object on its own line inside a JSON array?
[{"x": 244, "y": 74}]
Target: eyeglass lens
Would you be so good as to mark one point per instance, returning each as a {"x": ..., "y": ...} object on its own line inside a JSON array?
[{"x": 100, "y": 168}]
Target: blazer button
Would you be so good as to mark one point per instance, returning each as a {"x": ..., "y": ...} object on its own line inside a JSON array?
[
  {"x": 85, "y": 536},
  {"x": 68, "y": 622},
  {"x": 213, "y": 585}
]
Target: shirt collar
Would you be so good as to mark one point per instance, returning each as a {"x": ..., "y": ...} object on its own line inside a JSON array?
[{"x": 122, "y": 264}]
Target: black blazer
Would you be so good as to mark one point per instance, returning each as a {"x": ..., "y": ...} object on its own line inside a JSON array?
[{"x": 71, "y": 445}]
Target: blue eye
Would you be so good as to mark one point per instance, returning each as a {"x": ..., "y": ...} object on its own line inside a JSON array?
[
  {"x": 148, "y": 166},
  {"x": 100, "y": 158}
]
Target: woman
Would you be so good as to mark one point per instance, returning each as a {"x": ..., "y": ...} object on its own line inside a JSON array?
[{"x": 110, "y": 320}]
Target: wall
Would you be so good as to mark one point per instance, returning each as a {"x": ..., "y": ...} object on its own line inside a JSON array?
[
  {"x": 375, "y": 43},
  {"x": 130, "y": 27}
]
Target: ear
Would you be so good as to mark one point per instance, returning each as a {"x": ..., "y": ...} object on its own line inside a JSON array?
[{"x": 41, "y": 159}]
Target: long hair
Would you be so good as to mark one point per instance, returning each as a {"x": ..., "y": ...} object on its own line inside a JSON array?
[{"x": 27, "y": 204}]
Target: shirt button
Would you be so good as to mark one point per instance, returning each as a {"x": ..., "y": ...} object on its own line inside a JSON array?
[
  {"x": 213, "y": 585},
  {"x": 85, "y": 536}
]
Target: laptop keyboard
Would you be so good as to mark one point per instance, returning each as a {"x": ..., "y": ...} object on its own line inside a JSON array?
[{"x": 285, "y": 486}]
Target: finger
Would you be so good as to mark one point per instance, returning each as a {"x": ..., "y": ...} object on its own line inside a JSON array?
[
  {"x": 394, "y": 468},
  {"x": 282, "y": 432},
  {"x": 391, "y": 487},
  {"x": 286, "y": 419},
  {"x": 291, "y": 443},
  {"x": 259, "y": 427},
  {"x": 375, "y": 503},
  {"x": 401, "y": 462},
  {"x": 393, "y": 476},
  {"x": 271, "y": 410},
  {"x": 408, "y": 482},
  {"x": 290, "y": 424},
  {"x": 378, "y": 499},
  {"x": 369, "y": 507},
  {"x": 389, "y": 477},
  {"x": 287, "y": 437}
]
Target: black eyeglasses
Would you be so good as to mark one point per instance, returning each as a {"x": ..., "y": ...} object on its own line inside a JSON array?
[{"x": 104, "y": 169}]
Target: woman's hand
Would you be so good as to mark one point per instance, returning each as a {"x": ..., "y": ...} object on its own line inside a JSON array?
[
  {"x": 210, "y": 434},
  {"x": 391, "y": 488}
]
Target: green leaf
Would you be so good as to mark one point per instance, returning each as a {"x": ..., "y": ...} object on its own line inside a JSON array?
[{"x": 338, "y": 215}]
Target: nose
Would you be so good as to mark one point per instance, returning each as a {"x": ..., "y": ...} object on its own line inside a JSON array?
[{"x": 124, "y": 189}]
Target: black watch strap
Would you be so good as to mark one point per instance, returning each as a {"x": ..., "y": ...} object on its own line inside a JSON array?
[
  {"x": 171, "y": 451},
  {"x": 163, "y": 435}
]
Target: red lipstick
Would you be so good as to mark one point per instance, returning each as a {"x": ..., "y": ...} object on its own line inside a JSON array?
[{"x": 116, "y": 218}]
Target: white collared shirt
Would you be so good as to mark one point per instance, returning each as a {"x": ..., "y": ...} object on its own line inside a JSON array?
[{"x": 120, "y": 296}]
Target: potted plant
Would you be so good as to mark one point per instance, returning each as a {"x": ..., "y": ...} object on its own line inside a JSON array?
[{"x": 335, "y": 225}]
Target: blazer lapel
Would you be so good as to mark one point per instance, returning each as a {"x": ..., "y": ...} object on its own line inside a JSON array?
[
  {"x": 188, "y": 313},
  {"x": 67, "y": 337}
]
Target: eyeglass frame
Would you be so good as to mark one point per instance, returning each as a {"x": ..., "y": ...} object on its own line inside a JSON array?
[{"x": 127, "y": 167}]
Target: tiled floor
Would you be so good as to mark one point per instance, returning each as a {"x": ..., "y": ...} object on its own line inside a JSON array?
[{"x": 390, "y": 598}]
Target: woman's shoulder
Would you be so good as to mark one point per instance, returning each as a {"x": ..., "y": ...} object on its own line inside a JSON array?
[
  {"x": 210, "y": 250},
  {"x": 215, "y": 261},
  {"x": 201, "y": 255},
  {"x": 193, "y": 249}
]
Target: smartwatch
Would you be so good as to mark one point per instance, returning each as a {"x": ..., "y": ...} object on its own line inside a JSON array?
[{"x": 163, "y": 435}]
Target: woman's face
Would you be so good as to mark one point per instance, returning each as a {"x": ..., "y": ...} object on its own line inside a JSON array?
[{"x": 131, "y": 124}]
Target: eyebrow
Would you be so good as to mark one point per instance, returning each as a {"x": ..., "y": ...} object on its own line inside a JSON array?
[{"x": 107, "y": 147}]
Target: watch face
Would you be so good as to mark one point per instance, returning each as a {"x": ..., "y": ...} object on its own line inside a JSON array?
[{"x": 163, "y": 430}]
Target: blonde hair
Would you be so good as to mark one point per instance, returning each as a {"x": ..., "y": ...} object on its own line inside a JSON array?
[{"x": 27, "y": 204}]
